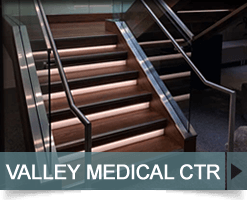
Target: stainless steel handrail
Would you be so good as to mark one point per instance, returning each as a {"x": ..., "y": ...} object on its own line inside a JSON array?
[
  {"x": 176, "y": 19},
  {"x": 70, "y": 99},
  {"x": 232, "y": 110}
]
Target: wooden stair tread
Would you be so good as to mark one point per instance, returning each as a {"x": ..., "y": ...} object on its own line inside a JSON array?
[
  {"x": 78, "y": 42},
  {"x": 97, "y": 57},
  {"x": 110, "y": 126},
  {"x": 168, "y": 57},
  {"x": 95, "y": 80},
  {"x": 84, "y": 73},
  {"x": 101, "y": 96},
  {"x": 92, "y": 58},
  {"x": 157, "y": 144},
  {"x": 96, "y": 107}
]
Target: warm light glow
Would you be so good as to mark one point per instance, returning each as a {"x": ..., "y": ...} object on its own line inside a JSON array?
[
  {"x": 100, "y": 115},
  {"x": 182, "y": 97},
  {"x": 205, "y": 11},
  {"x": 129, "y": 141},
  {"x": 158, "y": 42},
  {"x": 92, "y": 89},
  {"x": 175, "y": 76},
  {"x": 83, "y": 67},
  {"x": 168, "y": 57},
  {"x": 87, "y": 49},
  {"x": 73, "y": 50}
]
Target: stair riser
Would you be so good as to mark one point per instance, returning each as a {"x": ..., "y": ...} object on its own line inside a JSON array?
[
  {"x": 101, "y": 115},
  {"x": 42, "y": 55},
  {"x": 94, "y": 58},
  {"x": 164, "y": 69},
  {"x": 93, "y": 89},
  {"x": 93, "y": 81},
  {"x": 77, "y": 42},
  {"x": 178, "y": 86},
  {"x": 44, "y": 73},
  {"x": 115, "y": 136},
  {"x": 102, "y": 106}
]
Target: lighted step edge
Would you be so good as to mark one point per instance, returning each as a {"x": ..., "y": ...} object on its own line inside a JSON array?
[
  {"x": 181, "y": 98},
  {"x": 147, "y": 43},
  {"x": 100, "y": 96},
  {"x": 42, "y": 55},
  {"x": 114, "y": 145},
  {"x": 101, "y": 106},
  {"x": 113, "y": 136},
  {"x": 72, "y": 69},
  {"x": 175, "y": 76},
  {"x": 167, "y": 57},
  {"x": 91, "y": 81},
  {"x": 92, "y": 58},
  {"x": 85, "y": 74},
  {"x": 101, "y": 115},
  {"x": 92, "y": 89},
  {"x": 76, "y": 42}
]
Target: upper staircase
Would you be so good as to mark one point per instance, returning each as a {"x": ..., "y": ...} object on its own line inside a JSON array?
[{"x": 202, "y": 18}]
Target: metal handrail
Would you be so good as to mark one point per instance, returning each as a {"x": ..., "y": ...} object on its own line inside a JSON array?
[
  {"x": 176, "y": 19},
  {"x": 232, "y": 110},
  {"x": 70, "y": 99}
]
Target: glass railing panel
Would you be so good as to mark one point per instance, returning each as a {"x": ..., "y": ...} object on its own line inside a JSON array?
[
  {"x": 38, "y": 57},
  {"x": 173, "y": 71},
  {"x": 12, "y": 129},
  {"x": 207, "y": 106},
  {"x": 11, "y": 8}
]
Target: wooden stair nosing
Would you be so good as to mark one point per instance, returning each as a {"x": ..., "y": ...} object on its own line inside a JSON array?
[
  {"x": 105, "y": 105},
  {"x": 91, "y": 81}
]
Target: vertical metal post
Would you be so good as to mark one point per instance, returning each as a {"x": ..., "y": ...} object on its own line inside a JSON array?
[
  {"x": 49, "y": 94},
  {"x": 232, "y": 115}
]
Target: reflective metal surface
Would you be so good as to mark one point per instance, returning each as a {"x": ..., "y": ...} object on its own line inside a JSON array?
[
  {"x": 74, "y": 109},
  {"x": 34, "y": 103},
  {"x": 181, "y": 25},
  {"x": 232, "y": 110},
  {"x": 165, "y": 96}
]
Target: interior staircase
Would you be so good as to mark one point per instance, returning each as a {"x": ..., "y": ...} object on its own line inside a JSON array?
[{"x": 112, "y": 92}]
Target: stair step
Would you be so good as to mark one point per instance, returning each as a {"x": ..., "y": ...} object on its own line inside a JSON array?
[
  {"x": 95, "y": 107},
  {"x": 164, "y": 67},
  {"x": 168, "y": 57},
  {"x": 158, "y": 44},
  {"x": 109, "y": 130},
  {"x": 41, "y": 56},
  {"x": 100, "y": 96},
  {"x": 92, "y": 81},
  {"x": 92, "y": 89},
  {"x": 181, "y": 98},
  {"x": 178, "y": 86},
  {"x": 55, "y": 77},
  {"x": 175, "y": 76},
  {"x": 72, "y": 69},
  {"x": 161, "y": 47},
  {"x": 78, "y": 42},
  {"x": 92, "y": 58},
  {"x": 101, "y": 115},
  {"x": 158, "y": 144}
]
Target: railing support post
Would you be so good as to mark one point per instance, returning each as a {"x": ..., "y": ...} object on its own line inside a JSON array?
[{"x": 232, "y": 116}]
